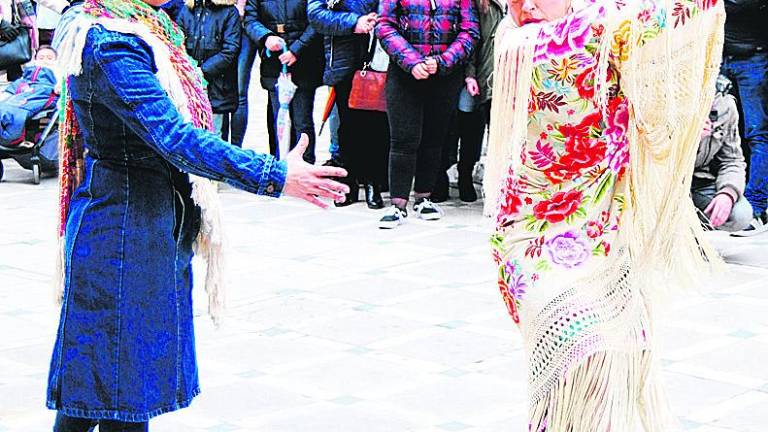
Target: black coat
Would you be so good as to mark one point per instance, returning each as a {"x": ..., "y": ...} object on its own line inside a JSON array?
[
  {"x": 288, "y": 20},
  {"x": 746, "y": 32},
  {"x": 213, "y": 35},
  {"x": 344, "y": 50}
]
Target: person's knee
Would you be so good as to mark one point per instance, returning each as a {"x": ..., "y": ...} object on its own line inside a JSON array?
[{"x": 741, "y": 216}]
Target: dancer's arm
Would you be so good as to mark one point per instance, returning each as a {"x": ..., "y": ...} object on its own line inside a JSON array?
[{"x": 123, "y": 69}]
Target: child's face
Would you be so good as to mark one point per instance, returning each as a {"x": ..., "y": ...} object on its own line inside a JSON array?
[{"x": 45, "y": 57}]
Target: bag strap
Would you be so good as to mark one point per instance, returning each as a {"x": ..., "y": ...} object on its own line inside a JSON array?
[
  {"x": 371, "y": 52},
  {"x": 15, "y": 16}
]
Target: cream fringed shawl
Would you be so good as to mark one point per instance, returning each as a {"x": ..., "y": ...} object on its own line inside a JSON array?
[
  {"x": 669, "y": 82},
  {"x": 585, "y": 305}
]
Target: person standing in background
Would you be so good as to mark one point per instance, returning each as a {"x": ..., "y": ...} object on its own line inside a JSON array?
[
  {"x": 212, "y": 29},
  {"x": 472, "y": 121},
  {"x": 429, "y": 42},
  {"x": 362, "y": 135},
  {"x": 48, "y": 14},
  {"x": 745, "y": 62},
  {"x": 281, "y": 31}
]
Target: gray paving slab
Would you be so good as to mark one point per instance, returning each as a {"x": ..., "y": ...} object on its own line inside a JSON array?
[{"x": 335, "y": 325}]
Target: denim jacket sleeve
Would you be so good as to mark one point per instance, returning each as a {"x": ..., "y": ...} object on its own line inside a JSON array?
[
  {"x": 123, "y": 70},
  {"x": 330, "y": 22},
  {"x": 227, "y": 57}
]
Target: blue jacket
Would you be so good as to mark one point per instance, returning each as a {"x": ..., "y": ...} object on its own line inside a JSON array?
[
  {"x": 26, "y": 97},
  {"x": 344, "y": 50},
  {"x": 125, "y": 346}
]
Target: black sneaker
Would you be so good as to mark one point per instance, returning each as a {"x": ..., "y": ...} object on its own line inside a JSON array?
[
  {"x": 427, "y": 210},
  {"x": 758, "y": 225},
  {"x": 393, "y": 218}
]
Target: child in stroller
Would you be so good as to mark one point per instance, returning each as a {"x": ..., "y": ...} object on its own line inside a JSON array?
[{"x": 26, "y": 105}]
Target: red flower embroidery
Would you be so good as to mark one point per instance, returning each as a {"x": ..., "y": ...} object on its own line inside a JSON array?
[
  {"x": 582, "y": 152},
  {"x": 559, "y": 207},
  {"x": 595, "y": 230},
  {"x": 509, "y": 301}
]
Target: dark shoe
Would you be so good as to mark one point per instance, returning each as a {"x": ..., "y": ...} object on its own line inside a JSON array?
[
  {"x": 352, "y": 197},
  {"x": 373, "y": 196},
  {"x": 333, "y": 162},
  {"x": 393, "y": 218},
  {"x": 467, "y": 192},
  {"x": 440, "y": 192}
]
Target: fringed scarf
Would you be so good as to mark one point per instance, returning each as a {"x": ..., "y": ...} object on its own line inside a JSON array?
[
  {"x": 182, "y": 80},
  {"x": 589, "y": 340}
]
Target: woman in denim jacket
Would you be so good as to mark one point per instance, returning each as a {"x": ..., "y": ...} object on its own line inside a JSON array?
[
  {"x": 429, "y": 42},
  {"x": 125, "y": 348}
]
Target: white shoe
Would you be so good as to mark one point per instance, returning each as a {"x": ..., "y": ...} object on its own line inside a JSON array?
[
  {"x": 758, "y": 225},
  {"x": 427, "y": 210},
  {"x": 393, "y": 218}
]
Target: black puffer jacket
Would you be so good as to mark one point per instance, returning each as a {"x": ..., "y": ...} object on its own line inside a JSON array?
[
  {"x": 288, "y": 20},
  {"x": 213, "y": 39},
  {"x": 746, "y": 29}
]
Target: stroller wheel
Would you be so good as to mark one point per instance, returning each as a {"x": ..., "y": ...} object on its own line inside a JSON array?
[
  {"x": 36, "y": 173},
  {"x": 2, "y": 170}
]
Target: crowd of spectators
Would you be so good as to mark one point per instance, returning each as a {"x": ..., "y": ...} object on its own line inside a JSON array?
[{"x": 438, "y": 92}]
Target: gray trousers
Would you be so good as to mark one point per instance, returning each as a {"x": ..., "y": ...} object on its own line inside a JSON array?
[{"x": 702, "y": 193}]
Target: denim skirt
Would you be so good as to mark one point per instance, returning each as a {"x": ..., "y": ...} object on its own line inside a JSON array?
[{"x": 125, "y": 344}]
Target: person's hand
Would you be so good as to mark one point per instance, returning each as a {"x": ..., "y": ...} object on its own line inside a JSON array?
[
  {"x": 310, "y": 182},
  {"x": 7, "y": 31},
  {"x": 431, "y": 65},
  {"x": 420, "y": 71},
  {"x": 274, "y": 43},
  {"x": 472, "y": 88},
  {"x": 288, "y": 58},
  {"x": 719, "y": 210},
  {"x": 366, "y": 23}
]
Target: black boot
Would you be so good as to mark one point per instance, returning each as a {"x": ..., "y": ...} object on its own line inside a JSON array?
[
  {"x": 440, "y": 192},
  {"x": 353, "y": 195},
  {"x": 373, "y": 196},
  {"x": 467, "y": 191}
]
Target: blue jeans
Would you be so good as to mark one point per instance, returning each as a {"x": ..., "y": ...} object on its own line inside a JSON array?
[
  {"x": 333, "y": 124},
  {"x": 248, "y": 50},
  {"x": 750, "y": 77},
  {"x": 77, "y": 424}
]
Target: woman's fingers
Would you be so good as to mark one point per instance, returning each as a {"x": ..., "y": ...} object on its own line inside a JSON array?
[
  {"x": 326, "y": 171},
  {"x": 315, "y": 201}
]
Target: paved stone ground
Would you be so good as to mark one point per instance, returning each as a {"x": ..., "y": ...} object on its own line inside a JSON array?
[{"x": 337, "y": 326}]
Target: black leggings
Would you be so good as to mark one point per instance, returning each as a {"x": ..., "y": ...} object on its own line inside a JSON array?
[
  {"x": 420, "y": 113},
  {"x": 77, "y": 424}
]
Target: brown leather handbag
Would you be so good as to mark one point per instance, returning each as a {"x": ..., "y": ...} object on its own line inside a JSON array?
[{"x": 369, "y": 86}]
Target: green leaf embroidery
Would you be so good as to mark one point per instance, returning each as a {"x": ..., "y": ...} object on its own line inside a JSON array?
[
  {"x": 605, "y": 184},
  {"x": 542, "y": 266}
]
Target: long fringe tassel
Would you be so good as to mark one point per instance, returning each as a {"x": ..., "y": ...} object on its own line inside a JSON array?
[
  {"x": 608, "y": 391},
  {"x": 509, "y": 108},
  {"x": 210, "y": 244}
]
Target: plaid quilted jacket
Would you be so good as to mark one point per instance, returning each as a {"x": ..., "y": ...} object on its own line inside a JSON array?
[{"x": 411, "y": 30}]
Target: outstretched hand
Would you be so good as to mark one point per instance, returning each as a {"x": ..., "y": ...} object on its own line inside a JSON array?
[{"x": 310, "y": 182}]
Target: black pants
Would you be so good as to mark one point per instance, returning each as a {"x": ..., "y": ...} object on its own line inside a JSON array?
[
  {"x": 469, "y": 129},
  {"x": 76, "y": 424},
  {"x": 420, "y": 113},
  {"x": 363, "y": 138},
  {"x": 301, "y": 109}
]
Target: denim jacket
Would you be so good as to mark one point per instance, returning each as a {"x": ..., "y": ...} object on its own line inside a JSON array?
[{"x": 125, "y": 345}]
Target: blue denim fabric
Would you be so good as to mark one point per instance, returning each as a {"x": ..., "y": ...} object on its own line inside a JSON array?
[
  {"x": 750, "y": 76},
  {"x": 248, "y": 49},
  {"x": 74, "y": 424},
  {"x": 125, "y": 346}
]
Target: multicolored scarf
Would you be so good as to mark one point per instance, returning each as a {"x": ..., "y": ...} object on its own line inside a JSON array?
[{"x": 183, "y": 81}]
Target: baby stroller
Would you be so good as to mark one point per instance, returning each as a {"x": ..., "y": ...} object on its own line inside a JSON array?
[
  {"x": 38, "y": 151},
  {"x": 28, "y": 118}
]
